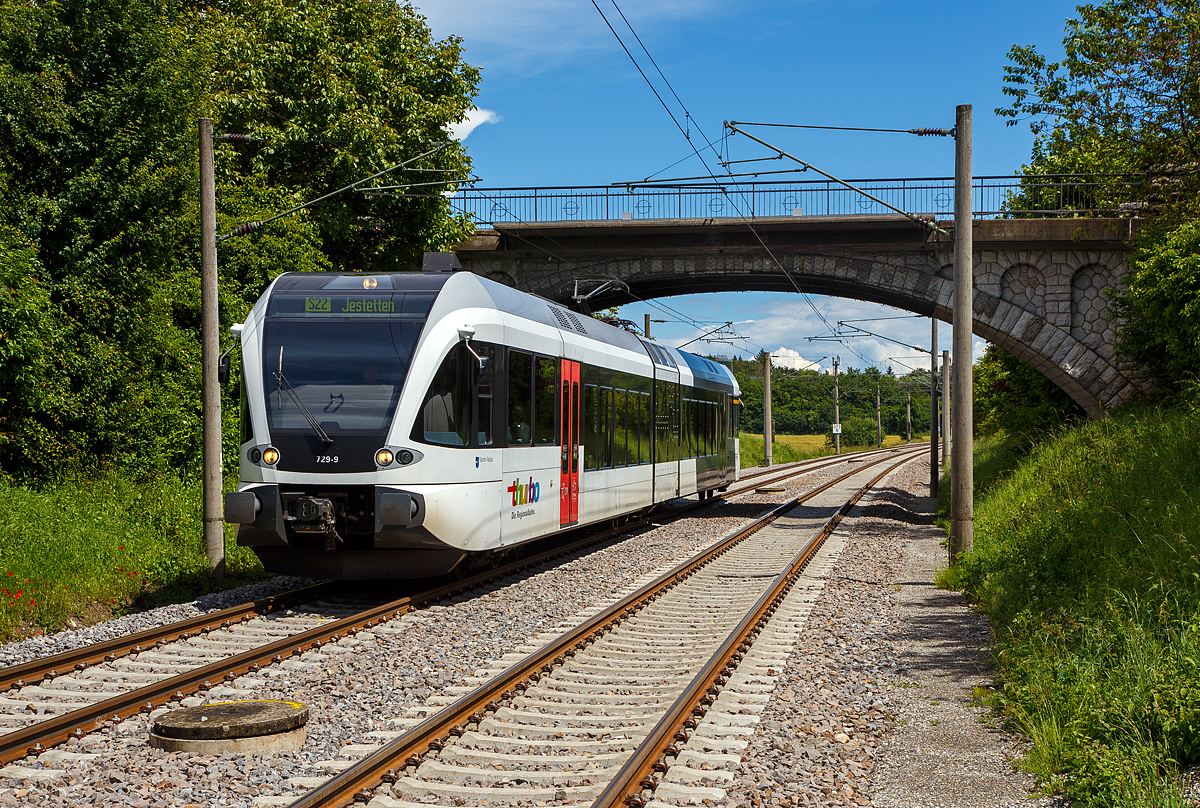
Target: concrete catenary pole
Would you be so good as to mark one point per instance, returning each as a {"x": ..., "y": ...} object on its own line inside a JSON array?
[
  {"x": 933, "y": 413},
  {"x": 214, "y": 526},
  {"x": 768, "y": 422},
  {"x": 837, "y": 411},
  {"x": 946, "y": 433},
  {"x": 908, "y": 416},
  {"x": 962, "y": 480},
  {"x": 878, "y": 420}
]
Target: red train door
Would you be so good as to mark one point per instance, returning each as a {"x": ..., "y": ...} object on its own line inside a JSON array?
[{"x": 568, "y": 492}]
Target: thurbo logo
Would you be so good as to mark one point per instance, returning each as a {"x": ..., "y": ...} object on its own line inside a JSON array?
[{"x": 523, "y": 494}]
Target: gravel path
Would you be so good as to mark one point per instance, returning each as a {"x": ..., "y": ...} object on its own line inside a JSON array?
[
  {"x": 874, "y": 707},
  {"x": 366, "y": 685}
]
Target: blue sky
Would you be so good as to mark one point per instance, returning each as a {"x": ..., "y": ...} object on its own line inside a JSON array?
[{"x": 562, "y": 104}]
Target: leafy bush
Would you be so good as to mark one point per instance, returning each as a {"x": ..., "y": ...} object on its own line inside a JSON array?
[{"x": 1087, "y": 561}]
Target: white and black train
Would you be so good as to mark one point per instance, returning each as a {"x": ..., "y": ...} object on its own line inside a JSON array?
[{"x": 396, "y": 425}]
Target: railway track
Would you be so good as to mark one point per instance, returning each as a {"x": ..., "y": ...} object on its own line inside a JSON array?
[
  {"x": 644, "y": 694},
  {"x": 50, "y": 701}
]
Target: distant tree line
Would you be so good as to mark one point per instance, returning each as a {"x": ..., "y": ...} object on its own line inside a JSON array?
[{"x": 802, "y": 400}]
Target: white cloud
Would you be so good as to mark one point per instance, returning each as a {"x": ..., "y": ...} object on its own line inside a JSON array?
[
  {"x": 792, "y": 360},
  {"x": 476, "y": 117}
]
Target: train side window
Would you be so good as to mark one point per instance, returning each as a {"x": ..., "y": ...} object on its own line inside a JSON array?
[
  {"x": 546, "y": 375},
  {"x": 645, "y": 425},
  {"x": 591, "y": 426},
  {"x": 604, "y": 450},
  {"x": 445, "y": 416},
  {"x": 520, "y": 398},
  {"x": 621, "y": 436},
  {"x": 484, "y": 400}
]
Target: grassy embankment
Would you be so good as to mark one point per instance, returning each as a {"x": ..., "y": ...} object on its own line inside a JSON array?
[
  {"x": 1087, "y": 561},
  {"x": 790, "y": 448},
  {"x": 87, "y": 548}
]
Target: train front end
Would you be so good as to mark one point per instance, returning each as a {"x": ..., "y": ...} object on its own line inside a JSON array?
[{"x": 330, "y": 485}]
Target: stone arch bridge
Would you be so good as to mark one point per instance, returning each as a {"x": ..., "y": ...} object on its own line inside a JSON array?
[{"x": 1039, "y": 283}]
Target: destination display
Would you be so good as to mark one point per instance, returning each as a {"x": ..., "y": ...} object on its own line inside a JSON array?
[{"x": 386, "y": 305}]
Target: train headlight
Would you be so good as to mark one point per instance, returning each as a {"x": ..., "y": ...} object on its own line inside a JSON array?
[
  {"x": 271, "y": 456},
  {"x": 406, "y": 457},
  {"x": 255, "y": 455},
  {"x": 384, "y": 457}
]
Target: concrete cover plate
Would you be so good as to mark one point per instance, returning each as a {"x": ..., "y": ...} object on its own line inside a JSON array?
[{"x": 231, "y": 719}]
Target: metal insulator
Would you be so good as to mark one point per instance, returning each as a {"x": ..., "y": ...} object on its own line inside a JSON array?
[
  {"x": 932, "y": 131},
  {"x": 237, "y": 138}
]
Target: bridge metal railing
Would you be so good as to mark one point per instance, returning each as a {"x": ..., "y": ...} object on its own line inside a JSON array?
[{"x": 993, "y": 197}]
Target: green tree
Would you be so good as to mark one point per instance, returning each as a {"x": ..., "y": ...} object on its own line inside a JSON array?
[
  {"x": 1011, "y": 396},
  {"x": 98, "y": 182}
]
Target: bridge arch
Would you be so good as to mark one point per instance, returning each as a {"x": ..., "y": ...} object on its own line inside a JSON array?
[{"x": 1039, "y": 285}]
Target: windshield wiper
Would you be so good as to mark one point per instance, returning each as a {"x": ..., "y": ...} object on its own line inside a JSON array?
[{"x": 286, "y": 386}]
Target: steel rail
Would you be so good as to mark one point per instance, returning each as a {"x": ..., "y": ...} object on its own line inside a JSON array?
[
  {"x": 639, "y": 771},
  {"x": 16, "y": 676},
  {"x": 37, "y": 738},
  {"x": 431, "y": 734}
]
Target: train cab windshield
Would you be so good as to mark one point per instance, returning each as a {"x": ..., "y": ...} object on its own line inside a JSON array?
[{"x": 335, "y": 358}]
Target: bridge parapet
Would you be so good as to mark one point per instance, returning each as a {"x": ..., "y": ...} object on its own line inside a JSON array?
[{"x": 992, "y": 197}]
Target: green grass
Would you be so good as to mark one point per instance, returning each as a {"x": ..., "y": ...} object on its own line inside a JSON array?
[
  {"x": 84, "y": 549},
  {"x": 791, "y": 448},
  {"x": 1087, "y": 561}
]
